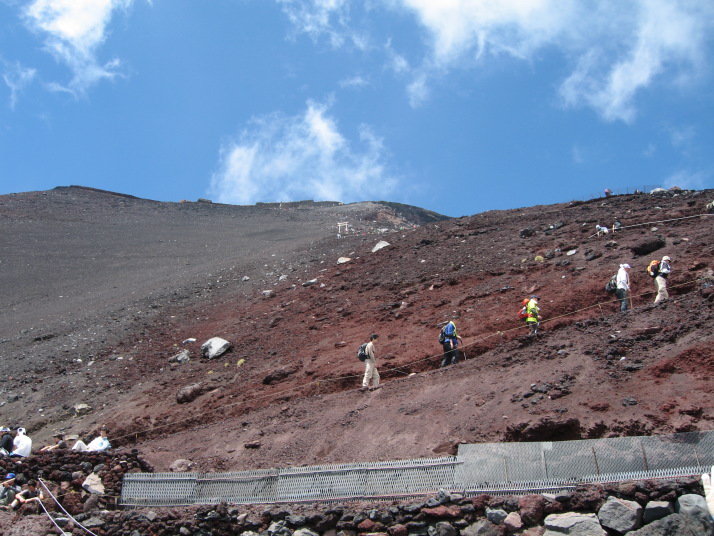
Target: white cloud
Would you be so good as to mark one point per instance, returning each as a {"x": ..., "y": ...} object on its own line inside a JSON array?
[
  {"x": 283, "y": 158},
  {"x": 687, "y": 179},
  {"x": 73, "y": 31},
  {"x": 330, "y": 18},
  {"x": 354, "y": 82},
  {"x": 616, "y": 49},
  {"x": 17, "y": 78}
]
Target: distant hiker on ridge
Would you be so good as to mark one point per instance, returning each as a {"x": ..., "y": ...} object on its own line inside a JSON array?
[
  {"x": 623, "y": 286},
  {"x": 371, "y": 374},
  {"x": 449, "y": 340}
]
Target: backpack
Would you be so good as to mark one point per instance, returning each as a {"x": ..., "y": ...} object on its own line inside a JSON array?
[
  {"x": 361, "y": 353},
  {"x": 611, "y": 286},
  {"x": 523, "y": 313},
  {"x": 653, "y": 268},
  {"x": 442, "y": 335}
]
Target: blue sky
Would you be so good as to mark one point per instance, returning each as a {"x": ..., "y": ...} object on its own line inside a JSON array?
[{"x": 458, "y": 106}]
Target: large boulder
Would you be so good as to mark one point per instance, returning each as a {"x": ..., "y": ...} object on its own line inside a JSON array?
[
  {"x": 648, "y": 246},
  {"x": 655, "y": 510},
  {"x": 573, "y": 524},
  {"x": 676, "y": 525},
  {"x": 620, "y": 515},
  {"x": 531, "y": 508},
  {"x": 214, "y": 347}
]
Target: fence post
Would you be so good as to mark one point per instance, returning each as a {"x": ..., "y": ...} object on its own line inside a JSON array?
[
  {"x": 644, "y": 455},
  {"x": 597, "y": 465}
]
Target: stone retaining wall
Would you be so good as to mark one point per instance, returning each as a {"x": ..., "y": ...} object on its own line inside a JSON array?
[{"x": 646, "y": 508}]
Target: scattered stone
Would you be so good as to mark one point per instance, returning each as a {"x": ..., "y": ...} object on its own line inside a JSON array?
[
  {"x": 181, "y": 466},
  {"x": 93, "y": 484},
  {"x": 343, "y": 260},
  {"x": 527, "y": 232},
  {"x": 184, "y": 356},
  {"x": 214, "y": 347},
  {"x": 279, "y": 375},
  {"x": 189, "y": 393},
  {"x": 571, "y": 252},
  {"x": 380, "y": 245},
  {"x": 245, "y": 278},
  {"x": 267, "y": 293},
  {"x": 629, "y": 401},
  {"x": 81, "y": 409},
  {"x": 309, "y": 283},
  {"x": 253, "y": 444}
]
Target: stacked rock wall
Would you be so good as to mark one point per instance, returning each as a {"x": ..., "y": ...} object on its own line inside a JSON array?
[{"x": 647, "y": 508}]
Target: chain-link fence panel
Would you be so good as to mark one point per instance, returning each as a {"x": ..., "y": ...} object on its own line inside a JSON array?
[{"x": 478, "y": 468}]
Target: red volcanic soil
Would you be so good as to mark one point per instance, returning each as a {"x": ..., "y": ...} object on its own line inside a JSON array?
[{"x": 102, "y": 290}]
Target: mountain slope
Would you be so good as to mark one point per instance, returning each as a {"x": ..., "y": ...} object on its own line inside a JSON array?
[{"x": 286, "y": 392}]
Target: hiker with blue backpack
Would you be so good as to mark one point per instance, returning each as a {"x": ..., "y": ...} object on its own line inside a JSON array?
[{"x": 449, "y": 340}]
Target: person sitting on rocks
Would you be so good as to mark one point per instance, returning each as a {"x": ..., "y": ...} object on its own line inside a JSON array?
[
  {"x": 26, "y": 496},
  {"x": 97, "y": 444},
  {"x": 22, "y": 444},
  {"x": 60, "y": 443},
  {"x": 5, "y": 441},
  {"x": 8, "y": 489}
]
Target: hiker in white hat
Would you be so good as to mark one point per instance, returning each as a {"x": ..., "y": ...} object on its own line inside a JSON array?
[
  {"x": 623, "y": 286},
  {"x": 661, "y": 280}
]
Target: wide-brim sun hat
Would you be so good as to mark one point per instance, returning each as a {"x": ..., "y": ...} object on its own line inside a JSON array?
[{"x": 666, "y": 258}]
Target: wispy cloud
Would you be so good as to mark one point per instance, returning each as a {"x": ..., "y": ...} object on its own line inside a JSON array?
[
  {"x": 17, "y": 78},
  {"x": 325, "y": 18},
  {"x": 354, "y": 82},
  {"x": 687, "y": 179},
  {"x": 73, "y": 31},
  {"x": 615, "y": 50},
  {"x": 285, "y": 158}
]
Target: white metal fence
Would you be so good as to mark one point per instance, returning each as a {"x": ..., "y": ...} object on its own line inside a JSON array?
[{"x": 478, "y": 468}]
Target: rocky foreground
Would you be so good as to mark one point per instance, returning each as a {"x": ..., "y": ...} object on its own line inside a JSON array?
[{"x": 671, "y": 507}]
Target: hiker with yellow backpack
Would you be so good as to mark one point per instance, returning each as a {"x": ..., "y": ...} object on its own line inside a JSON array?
[{"x": 659, "y": 270}]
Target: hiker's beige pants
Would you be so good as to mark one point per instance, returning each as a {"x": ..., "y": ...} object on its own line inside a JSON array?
[
  {"x": 370, "y": 373},
  {"x": 661, "y": 284}
]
